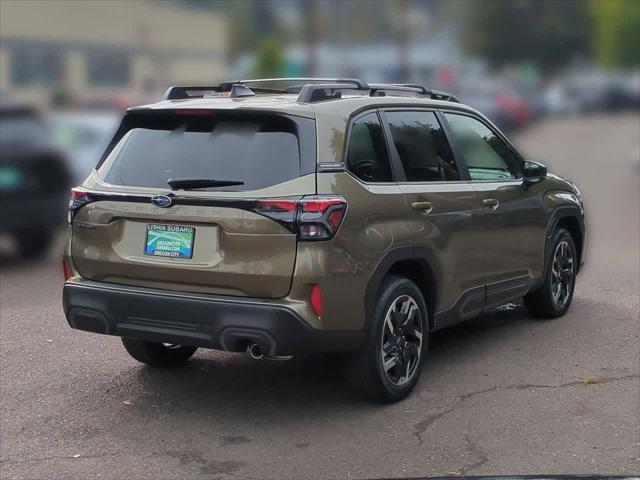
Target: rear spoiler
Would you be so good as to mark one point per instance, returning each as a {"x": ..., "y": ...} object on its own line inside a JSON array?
[{"x": 233, "y": 90}]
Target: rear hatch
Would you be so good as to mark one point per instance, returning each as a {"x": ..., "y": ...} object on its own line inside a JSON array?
[{"x": 129, "y": 226}]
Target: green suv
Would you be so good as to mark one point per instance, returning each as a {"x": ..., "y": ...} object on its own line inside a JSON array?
[{"x": 288, "y": 216}]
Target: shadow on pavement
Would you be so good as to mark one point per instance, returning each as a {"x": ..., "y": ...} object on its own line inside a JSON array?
[{"x": 270, "y": 390}]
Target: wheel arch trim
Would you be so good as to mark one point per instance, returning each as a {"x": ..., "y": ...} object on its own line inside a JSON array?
[
  {"x": 395, "y": 256},
  {"x": 559, "y": 214}
]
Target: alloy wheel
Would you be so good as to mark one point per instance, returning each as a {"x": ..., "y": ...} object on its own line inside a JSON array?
[
  {"x": 401, "y": 344},
  {"x": 562, "y": 274}
]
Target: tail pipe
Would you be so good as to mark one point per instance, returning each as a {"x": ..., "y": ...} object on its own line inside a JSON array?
[{"x": 254, "y": 351}]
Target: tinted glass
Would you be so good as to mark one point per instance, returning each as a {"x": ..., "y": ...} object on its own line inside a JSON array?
[
  {"x": 368, "y": 158},
  {"x": 486, "y": 155},
  {"x": 422, "y": 147},
  {"x": 259, "y": 152}
]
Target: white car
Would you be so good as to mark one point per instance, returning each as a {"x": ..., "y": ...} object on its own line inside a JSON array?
[{"x": 84, "y": 136}]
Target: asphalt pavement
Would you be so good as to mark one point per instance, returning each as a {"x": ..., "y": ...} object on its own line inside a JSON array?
[{"x": 504, "y": 394}]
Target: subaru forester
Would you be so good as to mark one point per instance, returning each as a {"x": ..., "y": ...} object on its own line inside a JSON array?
[{"x": 288, "y": 216}]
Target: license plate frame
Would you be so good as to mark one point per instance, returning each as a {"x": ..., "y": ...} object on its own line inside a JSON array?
[{"x": 165, "y": 240}]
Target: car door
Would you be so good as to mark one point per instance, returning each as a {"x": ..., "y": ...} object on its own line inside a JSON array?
[
  {"x": 513, "y": 223},
  {"x": 443, "y": 210}
]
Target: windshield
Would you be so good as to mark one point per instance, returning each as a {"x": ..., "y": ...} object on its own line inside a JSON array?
[
  {"x": 74, "y": 135},
  {"x": 22, "y": 129},
  {"x": 259, "y": 151}
]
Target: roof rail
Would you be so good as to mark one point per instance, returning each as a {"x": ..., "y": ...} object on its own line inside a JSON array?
[
  {"x": 378, "y": 89},
  {"x": 326, "y": 91},
  {"x": 444, "y": 96},
  {"x": 316, "y": 92},
  {"x": 310, "y": 89},
  {"x": 301, "y": 82}
]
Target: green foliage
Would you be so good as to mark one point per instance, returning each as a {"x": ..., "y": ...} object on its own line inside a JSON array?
[
  {"x": 548, "y": 33},
  {"x": 616, "y": 41},
  {"x": 269, "y": 59}
]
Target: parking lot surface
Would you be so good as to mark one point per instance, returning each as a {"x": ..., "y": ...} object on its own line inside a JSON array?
[{"x": 502, "y": 394}]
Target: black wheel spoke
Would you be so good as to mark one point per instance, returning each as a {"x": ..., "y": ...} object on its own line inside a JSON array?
[
  {"x": 388, "y": 347},
  {"x": 399, "y": 368},
  {"x": 412, "y": 349},
  {"x": 396, "y": 318}
]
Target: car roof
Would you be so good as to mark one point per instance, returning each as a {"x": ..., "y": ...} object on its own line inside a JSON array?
[
  {"x": 345, "y": 106},
  {"x": 274, "y": 103}
]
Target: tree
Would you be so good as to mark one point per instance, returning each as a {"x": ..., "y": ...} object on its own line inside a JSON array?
[
  {"x": 269, "y": 59},
  {"x": 616, "y": 40},
  {"x": 547, "y": 32}
]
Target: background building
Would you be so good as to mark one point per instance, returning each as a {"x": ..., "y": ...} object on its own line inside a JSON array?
[{"x": 66, "y": 51}]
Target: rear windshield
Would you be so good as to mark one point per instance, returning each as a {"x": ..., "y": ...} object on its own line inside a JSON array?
[{"x": 259, "y": 150}]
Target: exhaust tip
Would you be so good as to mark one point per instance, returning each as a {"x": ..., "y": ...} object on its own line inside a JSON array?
[{"x": 254, "y": 351}]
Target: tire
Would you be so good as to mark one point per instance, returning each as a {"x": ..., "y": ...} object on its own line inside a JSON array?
[
  {"x": 548, "y": 301},
  {"x": 33, "y": 244},
  {"x": 407, "y": 345},
  {"x": 158, "y": 354}
]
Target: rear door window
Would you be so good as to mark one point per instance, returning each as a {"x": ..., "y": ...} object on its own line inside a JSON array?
[
  {"x": 261, "y": 150},
  {"x": 368, "y": 157},
  {"x": 422, "y": 146}
]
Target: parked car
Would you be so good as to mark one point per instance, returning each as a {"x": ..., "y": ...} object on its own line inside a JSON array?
[
  {"x": 343, "y": 217},
  {"x": 506, "y": 108},
  {"x": 590, "y": 91},
  {"x": 84, "y": 136},
  {"x": 34, "y": 180}
]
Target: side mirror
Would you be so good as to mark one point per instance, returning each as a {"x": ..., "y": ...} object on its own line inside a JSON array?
[{"x": 533, "y": 172}]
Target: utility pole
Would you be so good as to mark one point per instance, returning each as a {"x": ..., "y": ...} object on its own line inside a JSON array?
[
  {"x": 404, "y": 62},
  {"x": 311, "y": 37}
]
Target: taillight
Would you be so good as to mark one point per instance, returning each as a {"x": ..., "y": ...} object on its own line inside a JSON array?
[
  {"x": 68, "y": 273},
  {"x": 77, "y": 199},
  {"x": 320, "y": 217},
  {"x": 316, "y": 217}
]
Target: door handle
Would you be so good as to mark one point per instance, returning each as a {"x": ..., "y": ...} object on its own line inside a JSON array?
[
  {"x": 426, "y": 207},
  {"x": 491, "y": 203}
]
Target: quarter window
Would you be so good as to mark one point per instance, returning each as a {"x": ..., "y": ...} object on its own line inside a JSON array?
[
  {"x": 422, "y": 147},
  {"x": 486, "y": 155},
  {"x": 368, "y": 158}
]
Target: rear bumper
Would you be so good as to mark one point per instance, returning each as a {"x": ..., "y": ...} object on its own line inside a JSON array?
[{"x": 222, "y": 323}]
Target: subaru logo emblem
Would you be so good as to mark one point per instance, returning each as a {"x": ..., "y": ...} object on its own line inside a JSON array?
[{"x": 161, "y": 201}]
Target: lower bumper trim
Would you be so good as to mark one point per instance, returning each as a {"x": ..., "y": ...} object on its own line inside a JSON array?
[{"x": 198, "y": 320}]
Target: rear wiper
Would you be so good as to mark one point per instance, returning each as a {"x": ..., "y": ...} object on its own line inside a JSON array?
[{"x": 192, "y": 183}]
